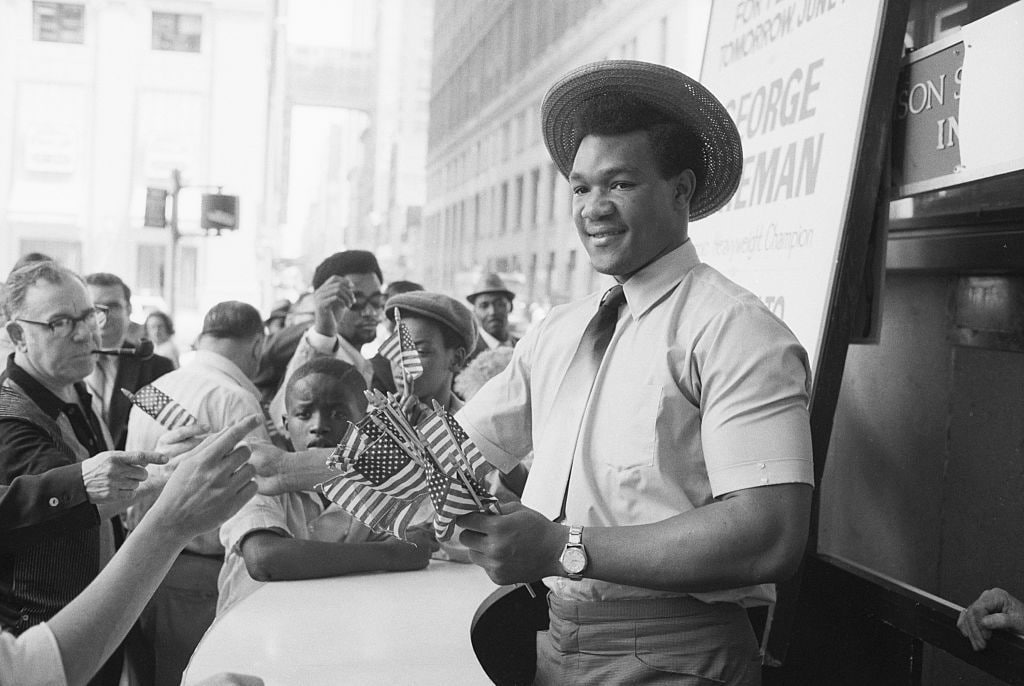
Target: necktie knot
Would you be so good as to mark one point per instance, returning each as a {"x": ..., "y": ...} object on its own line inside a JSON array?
[
  {"x": 613, "y": 298},
  {"x": 608, "y": 311}
]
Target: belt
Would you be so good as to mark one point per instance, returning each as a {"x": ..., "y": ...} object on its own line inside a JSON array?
[{"x": 584, "y": 612}]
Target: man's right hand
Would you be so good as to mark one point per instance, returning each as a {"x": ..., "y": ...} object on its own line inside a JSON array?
[
  {"x": 334, "y": 292},
  {"x": 113, "y": 476}
]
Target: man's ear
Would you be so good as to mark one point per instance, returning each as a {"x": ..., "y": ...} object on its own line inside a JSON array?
[
  {"x": 17, "y": 334},
  {"x": 284, "y": 420},
  {"x": 685, "y": 186}
]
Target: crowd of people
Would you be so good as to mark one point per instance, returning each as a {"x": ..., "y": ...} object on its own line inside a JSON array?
[{"x": 652, "y": 441}]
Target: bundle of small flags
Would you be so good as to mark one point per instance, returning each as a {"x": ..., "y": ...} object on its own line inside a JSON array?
[
  {"x": 160, "y": 406},
  {"x": 388, "y": 467},
  {"x": 401, "y": 351}
]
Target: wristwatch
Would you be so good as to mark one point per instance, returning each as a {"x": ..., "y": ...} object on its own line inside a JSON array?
[{"x": 574, "y": 555}]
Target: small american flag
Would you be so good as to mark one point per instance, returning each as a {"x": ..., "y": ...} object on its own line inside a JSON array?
[
  {"x": 401, "y": 349},
  {"x": 379, "y": 511},
  {"x": 388, "y": 468},
  {"x": 160, "y": 407},
  {"x": 450, "y": 499},
  {"x": 438, "y": 439},
  {"x": 348, "y": 448}
]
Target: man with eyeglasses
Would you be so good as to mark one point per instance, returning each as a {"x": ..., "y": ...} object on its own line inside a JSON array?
[
  {"x": 348, "y": 307},
  {"x": 62, "y": 533},
  {"x": 114, "y": 372}
]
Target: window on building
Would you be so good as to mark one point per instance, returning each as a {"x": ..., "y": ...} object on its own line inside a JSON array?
[
  {"x": 58, "y": 22},
  {"x": 549, "y": 273},
  {"x": 476, "y": 217},
  {"x": 503, "y": 209},
  {"x": 505, "y": 136},
  {"x": 150, "y": 272},
  {"x": 534, "y": 197},
  {"x": 531, "y": 279},
  {"x": 177, "y": 32},
  {"x": 517, "y": 215},
  {"x": 559, "y": 191}
]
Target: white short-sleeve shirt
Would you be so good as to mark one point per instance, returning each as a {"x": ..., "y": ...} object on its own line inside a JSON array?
[{"x": 702, "y": 391}]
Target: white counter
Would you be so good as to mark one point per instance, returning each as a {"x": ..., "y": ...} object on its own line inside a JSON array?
[{"x": 392, "y": 628}]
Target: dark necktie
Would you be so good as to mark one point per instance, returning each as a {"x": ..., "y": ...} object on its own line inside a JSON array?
[{"x": 549, "y": 477}]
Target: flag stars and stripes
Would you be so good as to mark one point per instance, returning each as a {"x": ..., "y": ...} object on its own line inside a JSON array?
[{"x": 160, "y": 407}]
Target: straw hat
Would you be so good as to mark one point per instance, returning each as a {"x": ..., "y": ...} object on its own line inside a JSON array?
[
  {"x": 668, "y": 91},
  {"x": 490, "y": 283}
]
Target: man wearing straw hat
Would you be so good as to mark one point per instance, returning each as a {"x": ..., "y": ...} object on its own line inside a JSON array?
[{"x": 671, "y": 482}]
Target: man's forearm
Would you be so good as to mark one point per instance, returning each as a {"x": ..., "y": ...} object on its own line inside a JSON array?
[
  {"x": 300, "y": 471},
  {"x": 727, "y": 544}
]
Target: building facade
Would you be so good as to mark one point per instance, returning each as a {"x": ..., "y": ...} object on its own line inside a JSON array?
[
  {"x": 494, "y": 199},
  {"x": 101, "y": 100}
]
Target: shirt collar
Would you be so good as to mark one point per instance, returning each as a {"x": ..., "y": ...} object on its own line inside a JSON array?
[
  {"x": 227, "y": 367},
  {"x": 649, "y": 285},
  {"x": 491, "y": 341},
  {"x": 42, "y": 396}
]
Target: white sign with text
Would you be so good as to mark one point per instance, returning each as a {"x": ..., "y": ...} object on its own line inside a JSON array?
[{"x": 794, "y": 75}]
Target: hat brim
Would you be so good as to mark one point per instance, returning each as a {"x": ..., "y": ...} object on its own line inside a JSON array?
[
  {"x": 676, "y": 95},
  {"x": 473, "y": 296}
]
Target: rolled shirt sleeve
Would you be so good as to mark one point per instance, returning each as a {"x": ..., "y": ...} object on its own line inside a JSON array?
[{"x": 31, "y": 659}]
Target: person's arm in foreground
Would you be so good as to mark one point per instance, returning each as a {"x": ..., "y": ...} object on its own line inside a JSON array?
[
  {"x": 994, "y": 609},
  {"x": 280, "y": 472},
  {"x": 751, "y": 536},
  {"x": 207, "y": 487},
  {"x": 270, "y": 556}
]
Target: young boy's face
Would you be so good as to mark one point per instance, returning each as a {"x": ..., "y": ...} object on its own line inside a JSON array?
[
  {"x": 319, "y": 409},
  {"x": 439, "y": 362}
]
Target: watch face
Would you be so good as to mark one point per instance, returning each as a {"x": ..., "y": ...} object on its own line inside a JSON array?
[{"x": 574, "y": 560}]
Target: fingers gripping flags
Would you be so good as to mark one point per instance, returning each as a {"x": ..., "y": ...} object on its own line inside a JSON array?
[
  {"x": 388, "y": 468},
  {"x": 160, "y": 406}
]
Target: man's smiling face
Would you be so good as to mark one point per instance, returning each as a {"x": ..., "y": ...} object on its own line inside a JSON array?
[{"x": 626, "y": 214}]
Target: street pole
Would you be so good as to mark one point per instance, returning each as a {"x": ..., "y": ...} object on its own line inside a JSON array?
[{"x": 172, "y": 270}]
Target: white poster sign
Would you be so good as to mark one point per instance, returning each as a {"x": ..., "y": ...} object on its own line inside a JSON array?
[{"x": 794, "y": 75}]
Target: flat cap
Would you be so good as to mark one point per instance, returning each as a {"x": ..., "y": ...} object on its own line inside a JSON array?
[{"x": 440, "y": 308}]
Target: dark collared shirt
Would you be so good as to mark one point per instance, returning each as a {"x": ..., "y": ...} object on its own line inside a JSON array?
[{"x": 20, "y": 441}]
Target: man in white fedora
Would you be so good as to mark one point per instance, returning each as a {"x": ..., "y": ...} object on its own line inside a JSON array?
[{"x": 672, "y": 474}]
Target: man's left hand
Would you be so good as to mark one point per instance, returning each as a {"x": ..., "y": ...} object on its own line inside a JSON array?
[{"x": 520, "y": 545}]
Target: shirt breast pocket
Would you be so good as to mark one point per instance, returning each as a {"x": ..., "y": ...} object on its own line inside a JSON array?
[{"x": 631, "y": 431}]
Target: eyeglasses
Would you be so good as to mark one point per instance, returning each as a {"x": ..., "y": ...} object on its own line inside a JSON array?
[
  {"x": 362, "y": 302},
  {"x": 65, "y": 327}
]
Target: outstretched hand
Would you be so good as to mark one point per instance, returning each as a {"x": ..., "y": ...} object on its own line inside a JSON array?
[
  {"x": 113, "y": 476},
  {"x": 210, "y": 484}
]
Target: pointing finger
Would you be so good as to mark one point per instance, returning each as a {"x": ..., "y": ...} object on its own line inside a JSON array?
[{"x": 141, "y": 458}]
